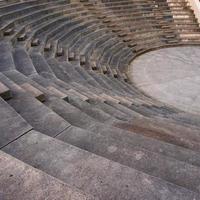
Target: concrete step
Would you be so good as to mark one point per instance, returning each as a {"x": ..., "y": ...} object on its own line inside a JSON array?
[
  {"x": 112, "y": 111},
  {"x": 58, "y": 93},
  {"x": 33, "y": 91},
  {"x": 6, "y": 60},
  {"x": 109, "y": 99},
  {"x": 23, "y": 62},
  {"x": 41, "y": 65},
  {"x": 12, "y": 125},
  {"x": 74, "y": 94},
  {"x": 33, "y": 111},
  {"x": 44, "y": 87},
  {"x": 65, "y": 71},
  {"x": 87, "y": 76},
  {"x": 21, "y": 181},
  {"x": 99, "y": 79},
  {"x": 93, "y": 112},
  {"x": 79, "y": 119},
  {"x": 187, "y": 138},
  {"x": 89, "y": 172},
  {"x": 134, "y": 157}
]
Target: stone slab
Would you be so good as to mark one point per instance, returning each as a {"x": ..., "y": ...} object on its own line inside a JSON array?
[
  {"x": 77, "y": 94},
  {"x": 109, "y": 98},
  {"x": 12, "y": 125},
  {"x": 57, "y": 92},
  {"x": 20, "y": 181},
  {"x": 6, "y": 60},
  {"x": 33, "y": 91},
  {"x": 171, "y": 75},
  {"x": 92, "y": 174},
  {"x": 154, "y": 164},
  {"x": 34, "y": 112}
]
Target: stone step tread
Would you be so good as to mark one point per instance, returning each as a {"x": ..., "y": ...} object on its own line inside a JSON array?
[
  {"x": 92, "y": 111},
  {"x": 77, "y": 94},
  {"x": 109, "y": 98},
  {"x": 22, "y": 181},
  {"x": 57, "y": 92},
  {"x": 87, "y": 76},
  {"x": 77, "y": 118},
  {"x": 33, "y": 91},
  {"x": 33, "y": 111},
  {"x": 110, "y": 110},
  {"x": 12, "y": 125},
  {"x": 41, "y": 64},
  {"x": 134, "y": 157},
  {"x": 124, "y": 101},
  {"x": 23, "y": 62},
  {"x": 91, "y": 173},
  {"x": 6, "y": 60}
]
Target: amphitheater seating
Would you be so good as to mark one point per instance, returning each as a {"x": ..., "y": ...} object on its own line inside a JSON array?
[
  {"x": 72, "y": 125},
  {"x": 15, "y": 176},
  {"x": 33, "y": 91}
]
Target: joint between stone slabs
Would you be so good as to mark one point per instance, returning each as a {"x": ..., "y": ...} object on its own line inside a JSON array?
[
  {"x": 62, "y": 131},
  {"x": 16, "y": 138}
]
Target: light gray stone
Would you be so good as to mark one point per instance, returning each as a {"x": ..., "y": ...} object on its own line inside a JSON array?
[
  {"x": 171, "y": 75},
  {"x": 93, "y": 174},
  {"x": 20, "y": 181}
]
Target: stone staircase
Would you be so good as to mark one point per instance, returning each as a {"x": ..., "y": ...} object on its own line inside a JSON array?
[{"x": 72, "y": 126}]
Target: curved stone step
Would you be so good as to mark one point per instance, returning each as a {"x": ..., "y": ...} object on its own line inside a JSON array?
[
  {"x": 135, "y": 157},
  {"x": 6, "y": 60},
  {"x": 12, "y": 125},
  {"x": 33, "y": 111},
  {"x": 21, "y": 181},
  {"x": 23, "y": 62},
  {"x": 91, "y": 173},
  {"x": 77, "y": 118}
]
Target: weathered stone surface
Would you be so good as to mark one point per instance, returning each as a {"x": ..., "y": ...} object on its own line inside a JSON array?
[
  {"x": 154, "y": 164},
  {"x": 80, "y": 52},
  {"x": 109, "y": 98},
  {"x": 57, "y": 92},
  {"x": 90, "y": 173},
  {"x": 20, "y": 181},
  {"x": 34, "y": 112},
  {"x": 6, "y": 61},
  {"x": 76, "y": 94},
  {"x": 33, "y": 91},
  {"x": 77, "y": 118},
  {"x": 171, "y": 75},
  {"x": 12, "y": 125},
  {"x": 23, "y": 62}
]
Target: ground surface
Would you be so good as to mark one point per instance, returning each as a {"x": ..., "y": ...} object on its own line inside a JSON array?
[{"x": 171, "y": 75}]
